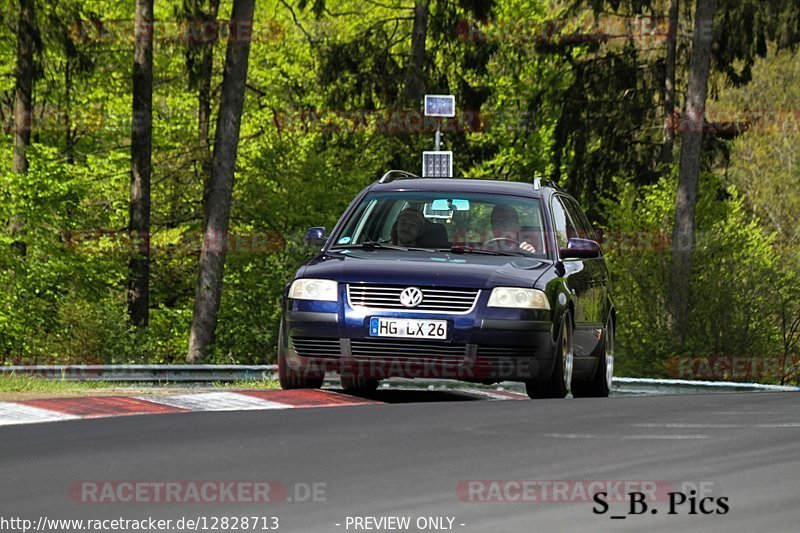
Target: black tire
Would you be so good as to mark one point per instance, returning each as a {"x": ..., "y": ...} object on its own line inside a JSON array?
[
  {"x": 359, "y": 384},
  {"x": 600, "y": 384},
  {"x": 291, "y": 378},
  {"x": 559, "y": 382}
]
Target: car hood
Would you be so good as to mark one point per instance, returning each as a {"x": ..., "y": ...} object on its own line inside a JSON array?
[{"x": 423, "y": 268}]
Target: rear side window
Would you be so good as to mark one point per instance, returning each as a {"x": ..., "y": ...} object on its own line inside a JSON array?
[
  {"x": 579, "y": 219},
  {"x": 562, "y": 223}
]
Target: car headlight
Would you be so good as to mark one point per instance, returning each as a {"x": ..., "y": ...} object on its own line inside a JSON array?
[
  {"x": 516, "y": 297},
  {"x": 314, "y": 289}
]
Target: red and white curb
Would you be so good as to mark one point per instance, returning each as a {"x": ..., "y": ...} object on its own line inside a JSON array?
[
  {"x": 57, "y": 409},
  {"x": 497, "y": 394}
]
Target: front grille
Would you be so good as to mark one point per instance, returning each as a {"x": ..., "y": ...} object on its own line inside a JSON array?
[
  {"x": 388, "y": 349},
  {"x": 503, "y": 352},
  {"x": 321, "y": 348},
  {"x": 383, "y": 349},
  {"x": 434, "y": 300}
]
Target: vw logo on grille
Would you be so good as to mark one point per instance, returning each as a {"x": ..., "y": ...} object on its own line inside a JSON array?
[{"x": 411, "y": 297}]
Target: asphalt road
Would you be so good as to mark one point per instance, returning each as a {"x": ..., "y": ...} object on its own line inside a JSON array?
[{"x": 427, "y": 457}]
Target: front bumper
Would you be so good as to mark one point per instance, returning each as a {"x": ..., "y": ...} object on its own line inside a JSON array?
[{"x": 485, "y": 345}]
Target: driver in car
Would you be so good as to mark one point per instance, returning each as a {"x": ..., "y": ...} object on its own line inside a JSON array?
[{"x": 506, "y": 228}]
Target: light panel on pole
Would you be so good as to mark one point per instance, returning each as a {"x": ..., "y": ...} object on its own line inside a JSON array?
[
  {"x": 437, "y": 164},
  {"x": 440, "y": 105}
]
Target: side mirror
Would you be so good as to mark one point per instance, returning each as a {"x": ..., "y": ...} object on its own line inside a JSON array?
[
  {"x": 315, "y": 237},
  {"x": 580, "y": 249}
]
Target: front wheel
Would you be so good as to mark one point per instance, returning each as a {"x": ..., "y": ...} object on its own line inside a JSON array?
[
  {"x": 600, "y": 384},
  {"x": 560, "y": 381}
]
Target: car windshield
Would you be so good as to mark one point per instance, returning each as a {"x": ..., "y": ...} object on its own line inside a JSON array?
[{"x": 459, "y": 222}]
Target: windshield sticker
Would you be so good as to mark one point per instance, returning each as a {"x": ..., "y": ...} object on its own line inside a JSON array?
[{"x": 343, "y": 240}]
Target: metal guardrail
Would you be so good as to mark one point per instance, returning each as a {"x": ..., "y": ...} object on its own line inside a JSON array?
[
  {"x": 231, "y": 373},
  {"x": 731, "y": 386},
  {"x": 146, "y": 373}
]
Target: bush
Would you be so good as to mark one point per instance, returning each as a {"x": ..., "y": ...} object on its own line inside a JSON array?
[{"x": 731, "y": 301}]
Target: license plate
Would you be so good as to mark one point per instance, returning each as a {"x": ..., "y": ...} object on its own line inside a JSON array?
[{"x": 407, "y": 328}]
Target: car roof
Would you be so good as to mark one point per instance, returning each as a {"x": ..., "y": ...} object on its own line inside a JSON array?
[{"x": 467, "y": 185}]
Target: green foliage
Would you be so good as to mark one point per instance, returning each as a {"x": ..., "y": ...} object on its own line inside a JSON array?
[
  {"x": 63, "y": 301},
  {"x": 745, "y": 30},
  {"x": 733, "y": 302},
  {"x": 522, "y": 110},
  {"x": 765, "y": 159},
  {"x": 325, "y": 115}
]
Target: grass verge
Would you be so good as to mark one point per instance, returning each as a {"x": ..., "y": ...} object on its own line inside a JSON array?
[
  {"x": 249, "y": 384},
  {"x": 23, "y": 384},
  {"x": 36, "y": 384}
]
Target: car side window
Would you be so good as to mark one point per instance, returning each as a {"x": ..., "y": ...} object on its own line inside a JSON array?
[
  {"x": 562, "y": 224},
  {"x": 585, "y": 230}
]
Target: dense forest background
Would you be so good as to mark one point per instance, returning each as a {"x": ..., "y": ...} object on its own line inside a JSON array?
[{"x": 575, "y": 91}]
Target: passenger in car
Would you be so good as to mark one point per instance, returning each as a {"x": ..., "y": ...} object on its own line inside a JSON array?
[
  {"x": 434, "y": 235},
  {"x": 506, "y": 229},
  {"x": 408, "y": 227}
]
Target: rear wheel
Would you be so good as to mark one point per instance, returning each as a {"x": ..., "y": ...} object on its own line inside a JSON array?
[
  {"x": 600, "y": 384},
  {"x": 294, "y": 378},
  {"x": 559, "y": 382}
]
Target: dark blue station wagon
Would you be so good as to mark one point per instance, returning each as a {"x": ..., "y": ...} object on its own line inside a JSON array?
[{"x": 475, "y": 280}]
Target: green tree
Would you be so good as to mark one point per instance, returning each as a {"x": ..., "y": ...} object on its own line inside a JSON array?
[
  {"x": 692, "y": 126},
  {"x": 27, "y": 34},
  {"x": 218, "y": 201},
  {"x": 734, "y": 261},
  {"x": 141, "y": 163}
]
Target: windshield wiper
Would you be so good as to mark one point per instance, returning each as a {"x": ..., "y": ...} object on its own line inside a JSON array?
[
  {"x": 372, "y": 245},
  {"x": 465, "y": 250},
  {"x": 383, "y": 245}
]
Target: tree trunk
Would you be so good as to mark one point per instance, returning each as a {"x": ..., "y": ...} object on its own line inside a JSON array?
[
  {"x": 23, "y": 107},
  {"x": 692, "y": 121},
  {"x": 204, "y": 88},
  {"x": 141, "y": 164},
  {"x": 414, "y": 82},
  {"x": 202, "y": 34},
  {"x": 220, "y": 190},
  {"x": 70, "y": 61},
  {"x": 669, "y": 89}
]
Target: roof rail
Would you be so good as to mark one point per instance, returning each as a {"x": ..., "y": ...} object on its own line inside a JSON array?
[
  {"x": 540, "y": 182},
  {"x": 395, "y": 175}
]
